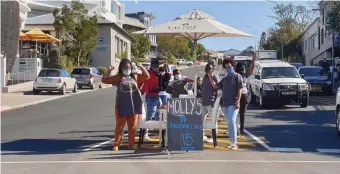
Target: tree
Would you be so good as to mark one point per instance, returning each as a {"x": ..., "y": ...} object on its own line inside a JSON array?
[
  {"x": 78, "y": 31},
  {"x": 248, "y": 51},
  {"x": 262, "y": 40},
  {"x": 290, "y": 22},
  {"x": 333, "y": 17},
  {"x": 140, "y": 46}
]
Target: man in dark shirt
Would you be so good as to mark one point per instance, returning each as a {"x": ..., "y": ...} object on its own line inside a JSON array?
[
  {"x": 325, "y": 66},
  {"x": 163, "y": 81},
  {"x": 178, "y": 85}
]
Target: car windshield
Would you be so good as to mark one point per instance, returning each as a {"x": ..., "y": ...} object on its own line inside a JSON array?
[
  {"x": 310, "y": 72},
  {"x": 247, "y": 62},
  {"x": 279, "y": 72},
  {"x": 49, "y": 73},
  {"x": 81, "y": 71}
]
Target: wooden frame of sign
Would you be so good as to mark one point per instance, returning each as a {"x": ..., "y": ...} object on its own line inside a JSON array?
[{"x": 184, "y": 125}]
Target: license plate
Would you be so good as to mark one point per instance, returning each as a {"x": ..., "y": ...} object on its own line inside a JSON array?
[
  {"x": 81, "y": 81},
  {"x": 316, "y": 88},
  {"x": 288, "y": 93},
  {"x": 48, "y": 80}
]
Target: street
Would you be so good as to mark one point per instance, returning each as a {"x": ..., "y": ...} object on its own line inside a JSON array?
[{"x": 74, "y": 135}]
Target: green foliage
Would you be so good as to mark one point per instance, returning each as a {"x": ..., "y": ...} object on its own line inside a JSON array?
[
  {"x": 102, "y": 69},
  {"x": 77, "y": 30},
  {"x": 179, "y": 46},
  {"x": 290, "y": 22},
  {"x": 118, "y": 56},
  {"x": 140, "y": 46},
  {"x": 64, "y": 62},
  {"x": 333, "y": 17},
  {"x": 169, "y": 58},
  {"x": 125, "y": 54}
]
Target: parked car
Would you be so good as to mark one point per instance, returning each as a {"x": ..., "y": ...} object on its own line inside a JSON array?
[
  {"x": 87, "y": 76},
  {"x": 296, "y": 64},
  {"x": 317, "y": 79},
  {"x": 184, "y": 62},
  {"x": 54, "y": 80},
  {"x": 337, "y": 113}
]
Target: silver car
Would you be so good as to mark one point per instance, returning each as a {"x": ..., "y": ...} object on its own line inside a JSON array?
[{"x": 87, "y": 76}]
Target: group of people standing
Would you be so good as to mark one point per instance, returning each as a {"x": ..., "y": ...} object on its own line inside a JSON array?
[{"x": 156, "y": 84}]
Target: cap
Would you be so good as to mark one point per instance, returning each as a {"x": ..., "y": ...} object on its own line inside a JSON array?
[{"x": 209, "y": 67}]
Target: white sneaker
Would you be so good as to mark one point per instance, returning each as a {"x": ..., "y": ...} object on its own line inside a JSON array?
[
  {"x": 233, "y": 147},
  {"x": 207, "y": 140}
]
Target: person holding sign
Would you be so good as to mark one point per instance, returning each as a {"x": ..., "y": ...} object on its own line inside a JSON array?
[
  {"x": 231, "y": 86},
  {"x": 129, "y": 102},
  {"x": 178, "y": 85}
]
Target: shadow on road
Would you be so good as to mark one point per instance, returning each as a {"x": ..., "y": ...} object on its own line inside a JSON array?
[{"x": 45, "y": 146}]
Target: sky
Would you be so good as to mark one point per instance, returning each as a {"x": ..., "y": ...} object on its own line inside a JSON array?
[{"x": 248, "y": 16}]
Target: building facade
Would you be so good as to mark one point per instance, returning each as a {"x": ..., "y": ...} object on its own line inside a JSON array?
[
  {"x": 316, "y": 41},
  {"x": 146, "y": 19},
  {"x": 113, "y": 40}
]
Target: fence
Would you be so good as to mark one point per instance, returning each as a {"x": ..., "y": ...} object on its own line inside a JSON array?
[{"x": 20, "y": 77}]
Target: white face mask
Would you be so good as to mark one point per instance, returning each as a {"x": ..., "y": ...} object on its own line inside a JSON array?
[{"x": 162, "y": 73}]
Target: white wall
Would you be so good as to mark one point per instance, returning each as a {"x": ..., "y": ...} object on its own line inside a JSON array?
[{"x": 2, "y": 71}]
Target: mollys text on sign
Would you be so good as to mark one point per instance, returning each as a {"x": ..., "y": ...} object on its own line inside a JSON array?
[{"x": 185, "y": 124}]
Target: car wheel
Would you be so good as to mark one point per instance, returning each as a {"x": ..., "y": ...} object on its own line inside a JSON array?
[
  {"x": 252, "y": 97},
  {"x": 304, "y": 103},
  {"x": 36, "y": 91},
  {"x": 263, "y": 102},
  {"x": 338, "y": 122},
  {"x": 75, "y": 88},
  {"x": 63, "y": 90}
]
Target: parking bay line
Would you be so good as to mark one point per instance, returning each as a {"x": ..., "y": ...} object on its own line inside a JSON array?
[
  {"x": 328, "y": 150},
  {"x": 165, "y": 161},
  {"x": 102, "y": 144}
]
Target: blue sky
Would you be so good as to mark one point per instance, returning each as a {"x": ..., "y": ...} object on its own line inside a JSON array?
[{"x": 236, "y": 14}]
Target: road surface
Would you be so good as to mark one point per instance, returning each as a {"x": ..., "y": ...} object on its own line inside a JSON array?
[{"x": 73, "y": 135}]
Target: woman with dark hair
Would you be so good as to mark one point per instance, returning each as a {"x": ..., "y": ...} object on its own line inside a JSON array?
[
  {"x": 231, "y": 86},
  {"x": 129, "y": 102},
  {"x": 199, "y": 87},
  {"x": 241, "y": 68}
]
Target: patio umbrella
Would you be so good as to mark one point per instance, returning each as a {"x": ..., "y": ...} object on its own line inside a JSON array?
[
  {"x": 195, "y": 25},
  {"x": 23, "y": 36}
]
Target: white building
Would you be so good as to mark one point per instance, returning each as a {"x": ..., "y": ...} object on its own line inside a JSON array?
[
  {"x": 24, "y": 9},
  {"x": 316, "y": 41},
  {"x": 112, "y": 38}
]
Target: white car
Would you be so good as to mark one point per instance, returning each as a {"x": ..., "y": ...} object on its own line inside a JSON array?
[
  {"x": 274, "y": 82},
  {"x": 54, "y": 80},
  {"x": 337, "y": 112},
  {"x": 87, "y": 76}
]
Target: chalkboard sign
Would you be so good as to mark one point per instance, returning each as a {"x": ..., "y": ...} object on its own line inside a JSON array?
[{"x": 184, "y": 124}]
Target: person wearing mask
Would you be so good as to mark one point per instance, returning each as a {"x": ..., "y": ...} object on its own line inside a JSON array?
[
  {"x": 151, "y": 89},
  {"x": 208, "y": 94},
  {"x": 241, "y": 68},
  {"x": 129, "y": 102},
  {"x": 199, "y": 87},
  {"x": 163, "y": 79},
  {"x": 178, "y": 86},
  {"x": 231, "y": 86}
]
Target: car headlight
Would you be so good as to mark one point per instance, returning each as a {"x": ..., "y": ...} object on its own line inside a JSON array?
[
  {"x": 304, "y": 86},
  {"x": 268, "y": 87},
  {"x": 328, "y": 82}
]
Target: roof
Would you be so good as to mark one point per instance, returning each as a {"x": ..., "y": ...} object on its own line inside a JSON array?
[
  {"x": 273, "y": 64},
  {"x": 310, "y": 67},
  {"x": 33, "y": 5},
  {"x": 310, "y": 25},
  {"x": 134, "y": 22}
]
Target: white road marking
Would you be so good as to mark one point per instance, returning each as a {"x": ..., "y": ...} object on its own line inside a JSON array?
[
  {"x": 279, "y": 149},
  {"x": 258, "y": 140},
  {"x": 329, "y": 150},
  {"x": 102, "y": 144},
  {"x": 164, "y": 161}
]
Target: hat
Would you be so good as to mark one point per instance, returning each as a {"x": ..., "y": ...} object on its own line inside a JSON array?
[
  {"x": 157, "y": 61},
  {"x": 209, "y": 67}
]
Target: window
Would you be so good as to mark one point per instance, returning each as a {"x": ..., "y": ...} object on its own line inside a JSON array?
[
  {"x": 312, "y": 72},
  {"x": 306, "y": 45},
  {"x": 322, "y": 37},
  {"x": 49, "y": 73},
  {"x": 279, "y": 72},
  {"x": 66, "y": 73},
  {"x": 81, "y": 71},
  {"x": 119, "y": 13},
  {"x": 113, "y": 7}
]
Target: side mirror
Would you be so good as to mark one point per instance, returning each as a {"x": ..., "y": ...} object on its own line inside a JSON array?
[
  {"x": 302, "y": 75},
  {"x": 257, "y": 77}
]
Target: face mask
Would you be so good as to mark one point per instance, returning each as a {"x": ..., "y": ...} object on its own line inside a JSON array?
[
  {"x": 177, "y": 77},
  {"x": 127, "y": 72},
  {"x": 229, "y": 70},
  {"x": 162, "y": 73}
]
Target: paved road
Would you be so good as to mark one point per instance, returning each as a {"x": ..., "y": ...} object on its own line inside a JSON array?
[{"x": 53, "y": 137}]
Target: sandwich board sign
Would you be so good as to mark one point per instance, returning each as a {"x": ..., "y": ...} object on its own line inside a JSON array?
[{"x": 184, "y": 124}]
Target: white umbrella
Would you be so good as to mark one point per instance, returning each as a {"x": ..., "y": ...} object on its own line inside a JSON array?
[{"x": 195, "y": 25}]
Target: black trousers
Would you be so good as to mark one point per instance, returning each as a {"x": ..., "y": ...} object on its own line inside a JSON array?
[{"x": 243, "y": 107}]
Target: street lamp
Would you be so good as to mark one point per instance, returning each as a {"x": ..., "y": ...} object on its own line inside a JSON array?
[{"x": 254, "y": 32}]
